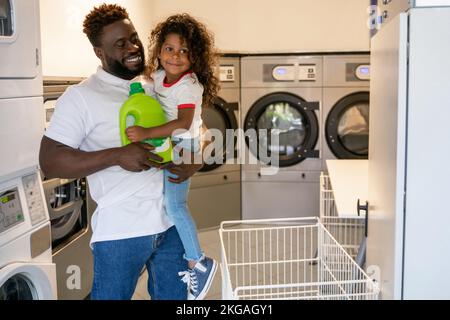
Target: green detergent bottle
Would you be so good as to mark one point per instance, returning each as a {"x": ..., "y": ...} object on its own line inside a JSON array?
[{"x": 143, "y": 110}]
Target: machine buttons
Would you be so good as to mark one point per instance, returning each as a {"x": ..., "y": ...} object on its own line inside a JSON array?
[
  {"x": 10, "y": 209},
  {"x": 34, "y": 198},
  {"x": 307, "y": 73},
  {"x": 226, "y": 73}
]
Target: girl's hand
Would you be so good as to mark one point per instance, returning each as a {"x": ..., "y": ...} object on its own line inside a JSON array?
[{"x": 135, "y": 133}]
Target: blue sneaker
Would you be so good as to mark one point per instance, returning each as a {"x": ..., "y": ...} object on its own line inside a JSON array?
[{"x": 199, "y": 278}]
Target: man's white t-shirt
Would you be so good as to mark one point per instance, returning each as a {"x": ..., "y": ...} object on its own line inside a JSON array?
[
  {"x": 186, "y": 92},
  {"x": 87, "y": 118}
]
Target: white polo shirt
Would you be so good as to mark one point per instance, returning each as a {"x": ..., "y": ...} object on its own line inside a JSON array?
[
  {"x": 87, "y": 118},
  {"x": 186, "y": 92}
]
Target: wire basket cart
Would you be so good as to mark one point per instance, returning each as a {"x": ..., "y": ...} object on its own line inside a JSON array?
[
  {"x": 348, "y": 232},
  {"x": 288, "y": 259}
]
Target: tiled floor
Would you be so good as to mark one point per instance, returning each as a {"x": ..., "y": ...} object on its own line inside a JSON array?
[
  {"x": 278, "y": 247},
  {"x": 278, "y": 262},
  {"x": 210, "y": 243}
]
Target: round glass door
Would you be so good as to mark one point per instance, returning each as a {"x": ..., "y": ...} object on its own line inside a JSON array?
[
  {"x": 347, "y": 127},
  {"x": 6, "y": 18},
  {"x": 221, "y": 117},
  {"x": 67, "y": 195},
  {"x": 288, "y": 117},
  {"x": 17, "y": 287},
  {"x": 66, "y": 202}
]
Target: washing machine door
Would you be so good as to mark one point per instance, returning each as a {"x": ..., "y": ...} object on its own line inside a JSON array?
[
  {"x": 23, "y": 281},
  {"x": 19, "y": 39},
  {"x": 290, "y": 117},
  {"x": 221, "y": 117},
  {"x": 66, "y": 207},
  {"x": 347, "y": 127}
]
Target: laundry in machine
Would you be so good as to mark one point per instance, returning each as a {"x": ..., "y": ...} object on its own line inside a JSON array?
[
  {"x": 281, "y": 95},
  {"x": 70, "y": 210},
  {"x": 215, "y": 193},
  {"x": 346, "y": 107}
]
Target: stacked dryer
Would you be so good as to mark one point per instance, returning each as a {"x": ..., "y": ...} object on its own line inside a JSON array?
[
  {"x": 346, "y": 84},
  {"x": 282, "y": 94},
  {"x": 26, "y": 268},
  {"x": 215, "y": 193}
]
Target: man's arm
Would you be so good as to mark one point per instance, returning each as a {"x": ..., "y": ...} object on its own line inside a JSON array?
[{"x": 60, "y": 161}]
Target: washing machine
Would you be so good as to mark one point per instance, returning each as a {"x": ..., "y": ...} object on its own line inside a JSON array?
[
  {"x": 70, "y": 210},
  {"x": 281, "y": 95},
  {"x": 215, "y": 193},
  {"x": 26, "y": 268},
  {"x": 346, "y": 99}
]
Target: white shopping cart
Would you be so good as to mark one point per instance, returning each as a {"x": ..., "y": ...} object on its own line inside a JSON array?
[
  {"x": 288, "y": 259},
  {"x": 348, "y": 232}
]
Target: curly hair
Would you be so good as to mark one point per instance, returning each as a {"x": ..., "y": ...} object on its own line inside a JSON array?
[
  {"x": 202, "y": 52},
  {"x": 99, "y": 18}
]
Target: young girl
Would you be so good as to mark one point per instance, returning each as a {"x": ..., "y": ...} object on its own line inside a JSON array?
[{"x": 181, "y": 64}]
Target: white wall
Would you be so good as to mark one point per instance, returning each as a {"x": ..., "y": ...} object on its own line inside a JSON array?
[
  {"x": 238, "y": 25},
  {"x": 278, "y": 25},
  {"x": 66, "y": 51}
]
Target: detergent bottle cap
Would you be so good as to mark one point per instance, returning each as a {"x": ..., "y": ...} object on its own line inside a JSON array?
[{"x": 136, "y": 87}]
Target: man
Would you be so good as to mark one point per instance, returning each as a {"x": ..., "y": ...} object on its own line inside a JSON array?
[{"x": 130, "y": 226}]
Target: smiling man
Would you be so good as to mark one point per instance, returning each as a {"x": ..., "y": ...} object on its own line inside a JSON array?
[
  {"x": 117, "y": 45},
  {"x": 130, "y": 226}
]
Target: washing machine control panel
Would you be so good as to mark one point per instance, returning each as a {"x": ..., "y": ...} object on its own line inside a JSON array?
[
  {"x": 11, "y": 212},
  {"x": 284, "y": 73},
  {"x": 304, "y": 72},
  {"x": 21, "y": 200},
  {"x": 307, "y": 72},
  {"x": 363, "y": 72},
  {"x": 34, "y": 196},
  {"x": 227, "y": 73}
]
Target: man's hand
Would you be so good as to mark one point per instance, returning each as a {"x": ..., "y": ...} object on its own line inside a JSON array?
[
  {"x": 137, "y": 157},
  {"x": 183, "y": 171}
]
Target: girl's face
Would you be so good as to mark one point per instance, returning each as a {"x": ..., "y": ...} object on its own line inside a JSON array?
[{"x": 174, "y": 57}]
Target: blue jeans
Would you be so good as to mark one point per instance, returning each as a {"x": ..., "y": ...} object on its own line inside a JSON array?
[
  {"x": 175, "y": 198},
  {"x": 118, "y": 264}
]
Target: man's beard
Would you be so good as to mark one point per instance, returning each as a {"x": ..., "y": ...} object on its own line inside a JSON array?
[{"x": 119, "y": 69}]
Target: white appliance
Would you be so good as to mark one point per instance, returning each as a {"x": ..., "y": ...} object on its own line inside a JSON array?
[
  {"x": 389, "y": 9},
  {"x": 26, "y": 268},
  {"x": 281, "y": 95},
  {"x": 22, "y": 116},
  {"x": 409, "y": 174}
]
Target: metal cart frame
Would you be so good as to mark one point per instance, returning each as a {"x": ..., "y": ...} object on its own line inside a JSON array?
[{"x": 288, "y": 259}]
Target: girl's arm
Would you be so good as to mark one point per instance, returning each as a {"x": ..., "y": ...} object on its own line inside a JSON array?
[{"x": 184, "y": 121}]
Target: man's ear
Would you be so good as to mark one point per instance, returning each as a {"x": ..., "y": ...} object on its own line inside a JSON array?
[{"x": 98, "y": 52}]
